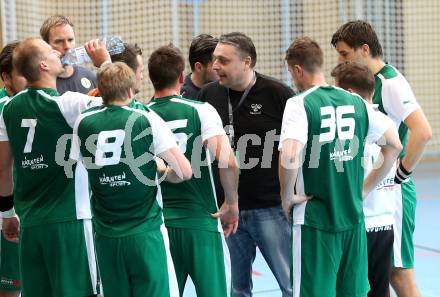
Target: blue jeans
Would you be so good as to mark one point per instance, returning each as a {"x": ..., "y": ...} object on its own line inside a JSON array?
[{"x": 269, "y": 230}]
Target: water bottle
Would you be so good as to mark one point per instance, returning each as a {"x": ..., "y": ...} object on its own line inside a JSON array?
[{"x": 78, "y": 55}]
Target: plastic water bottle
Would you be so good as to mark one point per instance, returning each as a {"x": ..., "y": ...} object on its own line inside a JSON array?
[{"x": 78, "y": 55}]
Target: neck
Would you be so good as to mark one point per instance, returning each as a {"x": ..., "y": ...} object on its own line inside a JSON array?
[
  {"x": 119, "y": 102},
  {"x": 68, "y": 71},
  {"x": 44, "y": 82},
  {"x": 317, "y": 79},
  {"x": 244, "y": 83},
  {"x": 197, "y": 80},
  {"x": 375, "y": 65},
  {"x": 166, "y": 92}
]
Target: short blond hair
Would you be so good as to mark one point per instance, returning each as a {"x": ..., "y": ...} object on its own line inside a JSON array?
[
  {"x": 115, "y": 81},
  {"x": 52, "y": 22}
]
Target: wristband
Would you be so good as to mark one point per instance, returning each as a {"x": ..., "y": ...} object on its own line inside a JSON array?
[
  {"x": 401, "y": 174},
  {"x": 6, "y": 202},
  {"x": 8, "y": 214}
]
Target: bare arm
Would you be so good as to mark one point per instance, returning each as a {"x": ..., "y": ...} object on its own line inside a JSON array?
[
  {"x": 419, "y": 136},
  {"x": 10, "y": 222},
  {"x": 220, "y": 147},
  {"x": 180, "y": 168},
  {"x": 390, "y": 148},
  {"x": 289, "y": 162},
  {"x": 6, "y": 162}
]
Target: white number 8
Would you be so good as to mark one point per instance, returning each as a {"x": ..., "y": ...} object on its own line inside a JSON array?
[{"x": 103, "y": 147}]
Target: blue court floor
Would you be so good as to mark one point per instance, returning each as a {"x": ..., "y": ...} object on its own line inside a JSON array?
[{"x": 426, "y": 238}]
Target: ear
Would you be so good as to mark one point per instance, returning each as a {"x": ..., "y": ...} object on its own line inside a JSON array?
[
  {"x": 365, "y": 50},
  {"x": 298, "y": 70},
  {"x": 43, "y": 66},
  {"x": 351, "y": 90},
  {"x": 198, "y": 67},
  {"x": 181, "y": 77},
  {"x": 247, "y": 61},
  {"x": 130, "y": 93},
  {"x": 5, "y": 76}
]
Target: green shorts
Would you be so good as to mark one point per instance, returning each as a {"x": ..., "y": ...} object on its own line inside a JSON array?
[
  {"x": 200, "y": 254},
  {"x": 138, "y": 265},
  {"x": 329, "y": 263},
  {"x": 9, "y": 266},
  {"x": 58, "y": 259},
  {"x": 403, "y": 249}
]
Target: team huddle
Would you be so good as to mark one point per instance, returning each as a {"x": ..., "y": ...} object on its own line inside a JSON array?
[{"x": 103, "y": 194}]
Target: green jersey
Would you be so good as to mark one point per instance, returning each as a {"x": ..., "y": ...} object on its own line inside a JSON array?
[
  {"x": 191, "y": 203},
  {"x": 395, "y": 98},
  {"x": 117, "y": 145},
  {"x": 38, "y": 125},
  {"x": 333, "y": 124},
  {"x": 3, "y": 98}
]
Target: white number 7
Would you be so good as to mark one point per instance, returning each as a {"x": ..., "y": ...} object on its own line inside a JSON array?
[{"x": 31, "y": 124}]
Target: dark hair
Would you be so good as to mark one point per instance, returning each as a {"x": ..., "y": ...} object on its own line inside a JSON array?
[
  {"x": 6, "y": 57},
  {"x": 201, "y": 49},
  {"x": 305, "y": 52},
  {"x": 27, "y": 57},
  {"x": 165, "y": 65},
  {"x": 356, "y": 76},
  {"x": 52, "y": 22},
  {"x": 357, "y": 33},
  {"x": 241, "y": 42},
  {"x": 129, "y": 56}
]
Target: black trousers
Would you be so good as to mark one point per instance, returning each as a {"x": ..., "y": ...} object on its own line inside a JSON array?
[{"x": 380, "y": 249}]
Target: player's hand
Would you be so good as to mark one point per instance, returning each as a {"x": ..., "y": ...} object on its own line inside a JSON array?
[
  {"x": 288, "y": 205},
  {"x": 161, "y": 167},
  {"x": 97, "y": 51},
  {"x": 228, "y": 214},
  {"x": 11, "y": 228}
]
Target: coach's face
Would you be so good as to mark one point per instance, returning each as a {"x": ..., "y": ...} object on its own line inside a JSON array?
[
  {"x": 230, "y": 66},
  {"x": 62, "y": 38},
  {"x": 347, "y": 53}
]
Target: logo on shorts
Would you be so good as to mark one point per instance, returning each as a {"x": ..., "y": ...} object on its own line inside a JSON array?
[
  {"x": 14, "y": 283},
  {"x": 34, "y": 164},
  {"x": 114, "y": 181},
  {"x": 256, "y": 108},
  {"x": 86, "y": 83}
]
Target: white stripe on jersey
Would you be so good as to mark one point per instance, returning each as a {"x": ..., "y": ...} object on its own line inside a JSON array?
[
  {"x": 82, "y": 193},
  {"x": 22, "y": 92}
]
